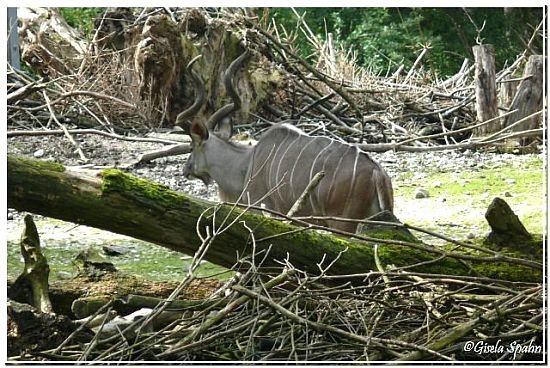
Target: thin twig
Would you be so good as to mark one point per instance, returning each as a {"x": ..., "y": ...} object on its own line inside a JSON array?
[{"x": 65, "y": 131}]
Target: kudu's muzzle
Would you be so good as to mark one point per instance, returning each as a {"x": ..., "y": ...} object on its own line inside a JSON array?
[{"x": 188, "y": 172}]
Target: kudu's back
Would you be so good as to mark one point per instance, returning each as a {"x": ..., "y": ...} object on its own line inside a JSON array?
[{"x": 285, "y": 160}]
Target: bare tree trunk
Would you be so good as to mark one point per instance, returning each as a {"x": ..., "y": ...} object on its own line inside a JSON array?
[
  {"x": 118, "y": 202},
  {"x": 508, "y": 89},
  {"x": 528, "y": 98},
  {"x": 486, "y": 92}
]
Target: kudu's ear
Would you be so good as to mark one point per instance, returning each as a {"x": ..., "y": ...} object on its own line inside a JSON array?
[
  {"x": 198, "y": 132},
  {"x": 225, "y": 129}
]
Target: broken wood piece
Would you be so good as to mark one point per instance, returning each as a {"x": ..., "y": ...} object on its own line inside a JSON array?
[
  {"x": 178, "y": 149},
  {"x": 97, "y": 319},
  {"x": 528, "y": 99},
  {"x": 506, "y": 228},
  {"x": 129, "y": 324},
  {"x": 305, "y": 194},
  {"x": 32, "y": 285},
  {"x": 24, "y": 91}
]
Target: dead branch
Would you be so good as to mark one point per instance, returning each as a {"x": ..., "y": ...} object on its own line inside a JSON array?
[
  {"x": 65, "y": 131},
  {"x": 307, "y": 191}
]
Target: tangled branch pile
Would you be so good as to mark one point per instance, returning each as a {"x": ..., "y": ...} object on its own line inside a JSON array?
[
  {"x": 292, "y": 316},
  {"x": 131, "y": 76}
]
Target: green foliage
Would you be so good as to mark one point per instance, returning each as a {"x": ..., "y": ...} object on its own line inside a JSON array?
[
  {"x": 385, "y": 38},
  {"x": 81, "y": 18}
]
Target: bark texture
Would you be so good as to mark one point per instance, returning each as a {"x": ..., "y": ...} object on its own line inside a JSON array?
[
  {"x": 528, "y": 99},
  {"x": 486, "y": 91}
]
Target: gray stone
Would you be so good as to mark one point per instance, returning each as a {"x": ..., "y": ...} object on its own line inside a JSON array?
[{"x": 421, "y": 193}]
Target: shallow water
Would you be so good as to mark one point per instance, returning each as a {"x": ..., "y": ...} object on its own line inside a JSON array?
[{"x": 61, "y": 242}]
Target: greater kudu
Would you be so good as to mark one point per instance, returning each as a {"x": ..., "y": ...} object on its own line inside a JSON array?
[{"x": 278, "y": 168}]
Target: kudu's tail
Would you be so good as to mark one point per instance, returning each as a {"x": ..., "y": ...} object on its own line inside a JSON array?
[{"x": 384, "y": 190}]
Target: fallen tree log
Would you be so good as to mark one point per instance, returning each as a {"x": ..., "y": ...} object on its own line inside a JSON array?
[{"x": 121, "y": 203}]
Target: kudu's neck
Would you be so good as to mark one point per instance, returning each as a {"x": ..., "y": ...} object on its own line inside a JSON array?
[{"x": 228, "y": 165}]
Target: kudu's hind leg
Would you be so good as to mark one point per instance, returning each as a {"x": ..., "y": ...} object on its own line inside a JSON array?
[{"x": 350, "y": 227}]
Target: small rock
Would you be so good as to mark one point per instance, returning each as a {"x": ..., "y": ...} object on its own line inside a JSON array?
[
  {"x": 113, "y": 250},
  {"x": 419, "y": 175},
  {"x": 443, "y": 199},
  {"x": 421, "y": 193},
  {"x": 38, "y": 153},
  {"x": 470, "y": 236},
  {"x": 64, "y": 275},
  {"x": 89, "y": 262},
  {"x": 10, "y": 216},
  {"x": 510, "y": 181},
  {"x": 507, "y": 194},
  {"x": 436, "y": 184}
]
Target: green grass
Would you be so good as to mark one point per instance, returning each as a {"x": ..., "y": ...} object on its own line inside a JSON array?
[
  {"x": 475, "y": 188},
  {"x": 146, "y": 260}
]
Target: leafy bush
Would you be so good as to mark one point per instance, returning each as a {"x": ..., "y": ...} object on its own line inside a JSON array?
[
  {"x": 81, "y": 18},
  {"x": 385, "y": 38}
]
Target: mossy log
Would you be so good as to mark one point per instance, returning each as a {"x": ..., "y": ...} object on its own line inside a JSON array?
[
  {"x": 124, "y": 204},
  {"x": 88, "y": 305}
]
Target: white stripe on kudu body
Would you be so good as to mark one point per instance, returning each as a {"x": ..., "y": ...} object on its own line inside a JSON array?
[
  {"x": 293, "y": 181},
  {"x": 274, "y": 160},
  {"x": 283, "y": 157},
  {"x": 277, "y": 170},
  {"x": 311, "y": 174}
]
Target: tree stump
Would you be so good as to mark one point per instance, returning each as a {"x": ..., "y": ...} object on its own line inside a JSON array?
[
  {"x": 506, "y": 228},
  {"x": 32, "y": 285},
  {"x": 30, "y": 331},
  {"x": 508, "y": 89},
  {"x": 527, "y": 100},
  {"x": 486, "y": 91}
]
